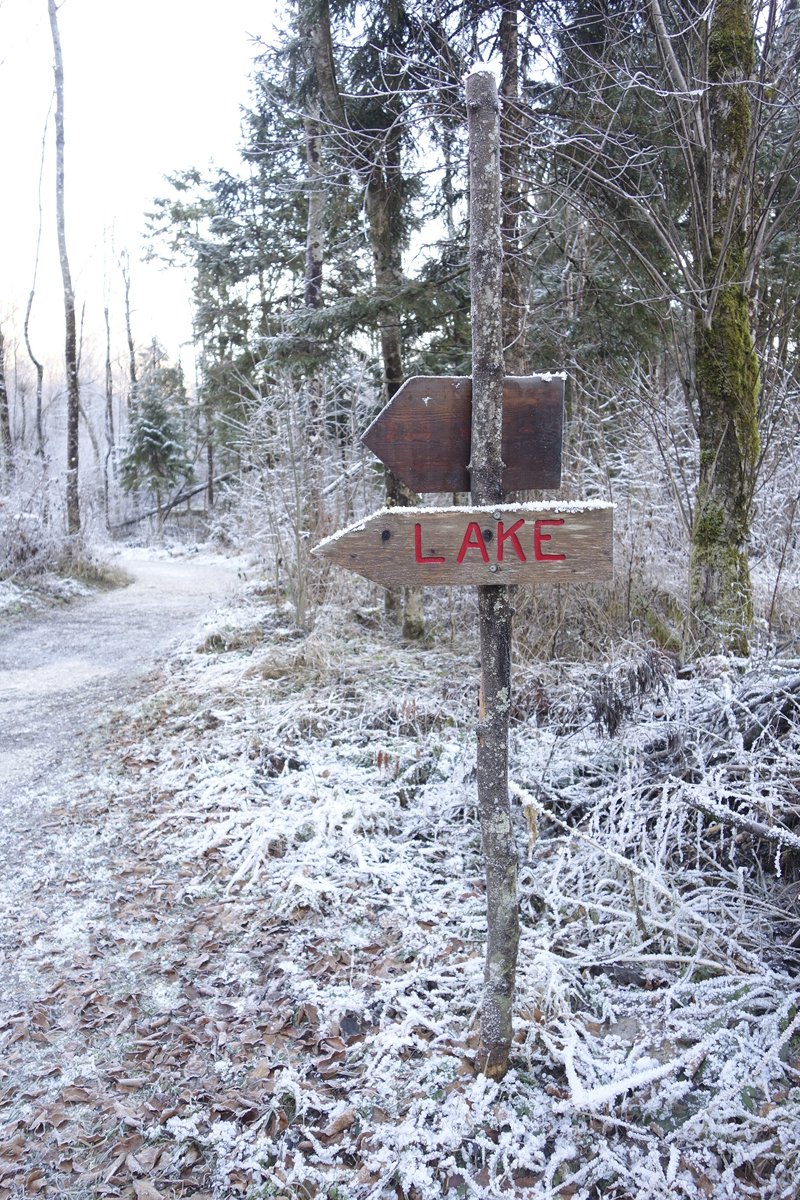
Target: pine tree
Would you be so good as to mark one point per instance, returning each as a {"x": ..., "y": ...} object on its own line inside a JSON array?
[{"x": 155, "y": 457}]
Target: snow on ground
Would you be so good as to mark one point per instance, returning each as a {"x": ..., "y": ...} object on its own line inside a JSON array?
[
  {"x": 294, "y": 974},
  {"x": 48, "y": 590}
]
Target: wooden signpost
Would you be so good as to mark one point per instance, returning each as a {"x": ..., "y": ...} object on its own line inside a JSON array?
[
  {"x": 498, "y": 544},
  {"x": 488, "y": 433},
  {"x": 424, "y": 433}
]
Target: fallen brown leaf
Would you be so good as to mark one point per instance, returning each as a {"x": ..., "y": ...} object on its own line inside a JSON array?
[
  {"x": 126, "y": 1115},
  {"x": 343, "y": 1121},
  {"x": 262, "y": 1070},
  {"x": 145, "y": 1191},
  {"x": 133, "y": 1165},
  {"x": 115, "y": 1166},
  {"x": 146, "y": 1157}
]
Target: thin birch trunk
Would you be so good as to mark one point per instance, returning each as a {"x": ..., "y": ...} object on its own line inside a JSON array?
[
  {"x": 486, "y": 475},
  {"x": 126, "y": 279},
  {"x": 37, "y": 365},
  {"x": 109, "y": 413},
  {"x": 70, "y": 347}
]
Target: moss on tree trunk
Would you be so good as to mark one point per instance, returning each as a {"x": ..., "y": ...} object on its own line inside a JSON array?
[{"x": 726, "y": 366}]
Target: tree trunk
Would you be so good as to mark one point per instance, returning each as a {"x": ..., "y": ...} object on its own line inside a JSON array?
[
  {"x": 70, "y": 348},
  {"x": 382, "y": 204},
  {"x": 727, "y": 374},
  {"x": 510, "y": 138},
  {"x": 5, "y": 416},
  {"x": 324, "y": 64},
  {"x": 37, "y": 365},
  {"x": 315, "y": 249},
  {"x": 126, "y": 279},
  {"x": 315, "y": 232},
  {"x": 486, "y": 476},
  {"x": 39, "y": 379},
  {"x": 109, "y": 413},
  {"x": 383, "y": 198}
]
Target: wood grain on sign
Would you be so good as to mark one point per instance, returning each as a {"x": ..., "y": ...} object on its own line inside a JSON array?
[
  {"x": 423, "y": 433},
  {"x": 503, "y": 543}
]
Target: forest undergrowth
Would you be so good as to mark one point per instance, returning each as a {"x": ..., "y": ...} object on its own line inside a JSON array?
[
  {"x": 41, "y": 567},
  {"x": 283, "y": 998}
]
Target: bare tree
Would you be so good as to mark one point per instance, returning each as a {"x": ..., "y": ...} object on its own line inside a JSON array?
[{"x": 71, "y": 347}]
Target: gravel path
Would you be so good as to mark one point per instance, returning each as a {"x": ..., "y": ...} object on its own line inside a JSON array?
[
  {"x": 60, "y": 673},
  {"x": 60, "y": 676}
]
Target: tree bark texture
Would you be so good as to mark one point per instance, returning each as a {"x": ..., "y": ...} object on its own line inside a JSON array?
[
  {"x": 315, "y": 227},
  {"x": 324, "y": 64},
  {"x": 71, "y": 346},
  {"x": 485, "y": 257},
  {"x": 727, "y": 371},
  {"x": 315, "y": 252},
  {"x": 5, "y": 416},
  {"x": 486, "y": 474},
  {"x": 510, "y": 138},
  {"x": 382, "y": 202}
]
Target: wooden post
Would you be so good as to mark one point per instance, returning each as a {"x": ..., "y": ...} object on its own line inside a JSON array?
[{"x": 486, "y": 474}]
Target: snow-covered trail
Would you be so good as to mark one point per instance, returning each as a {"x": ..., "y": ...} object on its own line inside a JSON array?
[
  {"x": 61, "y": 677},
  {"x": 59, "y": 674}
]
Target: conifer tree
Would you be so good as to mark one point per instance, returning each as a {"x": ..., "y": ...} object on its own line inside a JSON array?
[{"x": 155, "y": 457}]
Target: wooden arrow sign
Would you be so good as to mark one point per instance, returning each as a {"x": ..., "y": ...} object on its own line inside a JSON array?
[
  {"x": 423, "y": 433},
  {"x": 505, "y": 543}
]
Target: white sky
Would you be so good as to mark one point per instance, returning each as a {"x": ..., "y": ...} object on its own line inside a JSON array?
[{"x": 151, "y": 87}]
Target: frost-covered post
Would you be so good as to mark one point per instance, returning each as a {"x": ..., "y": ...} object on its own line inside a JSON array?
[{"x": 486, "y": 475}]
